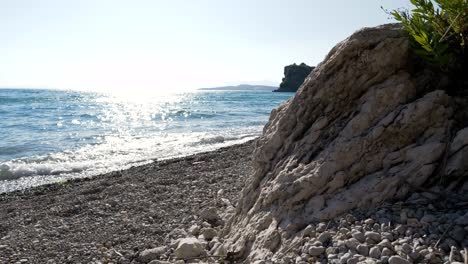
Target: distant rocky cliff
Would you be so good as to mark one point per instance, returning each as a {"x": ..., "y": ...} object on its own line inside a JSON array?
[
  {"x": 294, "y": 76},
  {"x": 366, "y": 126},
  {"x": 241, "y": 87}
]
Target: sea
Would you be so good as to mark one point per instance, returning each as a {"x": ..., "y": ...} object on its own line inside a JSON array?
[{"x": 51, "y": 136}]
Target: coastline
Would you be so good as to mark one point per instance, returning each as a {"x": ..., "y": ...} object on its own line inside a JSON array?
[{"x": 112, "y": 217}]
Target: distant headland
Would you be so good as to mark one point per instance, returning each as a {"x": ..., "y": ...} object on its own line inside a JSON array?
[
  {"x": 294, "y": 76},
  {"x": 242, "y": 87}
]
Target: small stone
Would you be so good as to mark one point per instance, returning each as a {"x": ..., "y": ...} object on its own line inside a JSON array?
[
  {"x": 424, "y": 252},
  {"x": 433, "y": 258},
  {"x": 413, "y": 222},
  {"x": 324, "y": 237},
  {"x": 209, "y": 233},
  {"x": 369, "y": 221},
  {"x": 397, "y": 260},
  {"x": 457, "y": 233},
  {"x": 462, "y": 220},
  {"x": 400, "y": 229},
  {"x": 406, "y": 248},
  {"x": 414, "y": 255},
  {"x": 332, "y": 250},
  {"x": 344, "y": 231},
  {"x": 351, "y": 243},
  {"x": 376, "y": 227},
  {"x": 454, "y": 255},
  {"x": 386, "y": 252},
  {"x": 316, "y": 243},
  {"x": 189, "y": 248},
  {"x": 403, "y": 217},
  {"x": 428, "y": 219},
  {"x": 384, "y": 259},
  {"x": 375, "y": 252},
  {"x": 159, "y": 262},
  {"x": 194, "y": 230},
  {"x": 316, "y": 251},
  {"x": 352, "y": 260},
  {"x": 359, "y": 236},
  {"x": 374, "y": 236},
  {"x": 309, "y": 231},
  {"x": 409, "y": 232},
  {"x": 387, "y": 235},
  {"x": 151, "y": 254},
  {"x": 350, "y": 219},
  {"x": 345, "y": 257},
  {"x": 385, "y": 244},
  {"x": 205, "y": 224},
  {"x": 209, "y": 214},
  {"x": 363, "y": 249},
  {"x": 321, "y": 227}
]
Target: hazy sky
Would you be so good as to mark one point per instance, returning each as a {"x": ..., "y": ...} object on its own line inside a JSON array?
[{"x": 170, "y": 44}]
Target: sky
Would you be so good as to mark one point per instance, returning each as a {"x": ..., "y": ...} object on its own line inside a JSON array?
[{"x": 160, "y": 45}]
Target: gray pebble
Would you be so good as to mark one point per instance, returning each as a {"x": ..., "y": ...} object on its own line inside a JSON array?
[
  {"x": 359, "y": 236},
  {"x": 375, "y": 252},
  {"x": 397, "y": 260},
  {"x": 374, "y": 236},
  {"x": 316, "y": 251},
  {"x": 363, "y": 249}
]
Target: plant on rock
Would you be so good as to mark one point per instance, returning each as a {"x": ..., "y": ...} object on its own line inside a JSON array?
[{"x": 439, "y": 31}]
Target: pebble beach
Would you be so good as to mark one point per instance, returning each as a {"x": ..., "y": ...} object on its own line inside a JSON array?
[
  {"x": 160, "y": 212},
  {"x": 113, "y": 217}
]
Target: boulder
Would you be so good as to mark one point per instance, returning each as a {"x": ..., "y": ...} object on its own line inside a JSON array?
[
  {"x": 362, "y": 129},
  {"x": 189, "y": 248}
]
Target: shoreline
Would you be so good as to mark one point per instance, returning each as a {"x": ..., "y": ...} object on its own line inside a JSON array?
[
  {"x": 83, "y": 177},
  {"x": 113, "y": 216}
]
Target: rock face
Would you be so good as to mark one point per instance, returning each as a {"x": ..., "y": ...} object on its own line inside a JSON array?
[
  {"x": 294, "y": 76},
  {"x": 361, "y": 130}
]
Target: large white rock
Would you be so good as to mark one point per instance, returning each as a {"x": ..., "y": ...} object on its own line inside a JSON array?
[
  {"x": 189, "y": 248},
  {"x": 360, "y": 130}
]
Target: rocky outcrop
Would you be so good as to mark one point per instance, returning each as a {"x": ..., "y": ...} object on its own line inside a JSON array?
[
  {"x": 294, "y": 76},
  {"x": 361, "y": 130}
]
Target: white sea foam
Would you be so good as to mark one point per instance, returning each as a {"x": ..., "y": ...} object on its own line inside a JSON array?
[{"x": 114, "y": 154}]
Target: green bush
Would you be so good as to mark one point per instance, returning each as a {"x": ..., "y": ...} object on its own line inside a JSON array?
[{"x": 439, "y": 31}]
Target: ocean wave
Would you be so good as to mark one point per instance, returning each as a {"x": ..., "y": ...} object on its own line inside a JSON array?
[
  {"x": 116, "y": 153},
  {"x": 212, "y": 140},
  {"x": 15, "y": 169}
]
